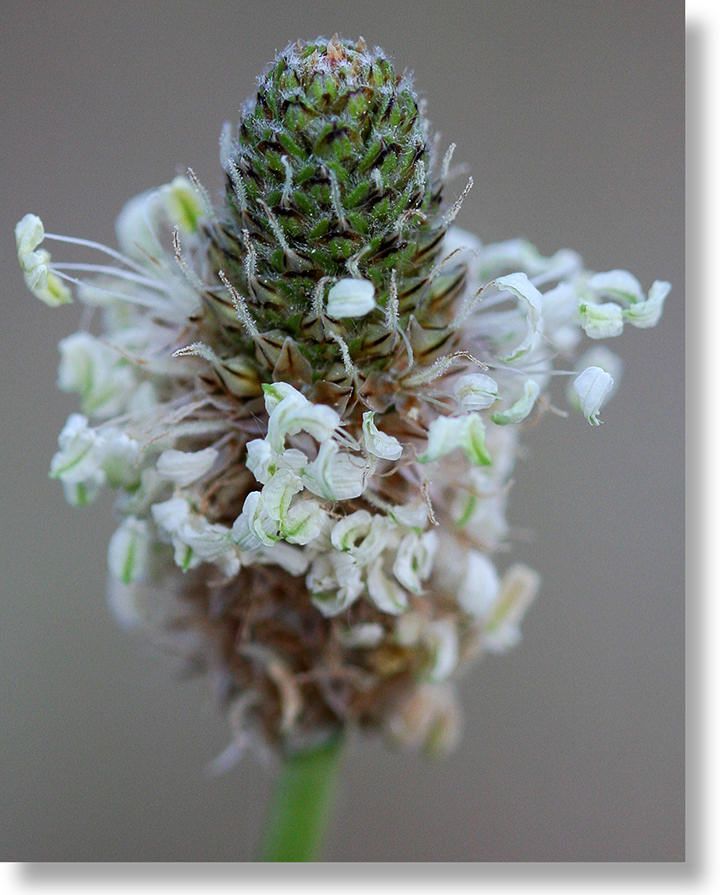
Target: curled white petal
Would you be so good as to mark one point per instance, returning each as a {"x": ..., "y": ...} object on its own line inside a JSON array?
[
  {"x": 350, "y": 529},
  {"x": 518, "y": 589},
  {"x": 592, "y": 388},
  {"x": 119, "y": 457},
  {"x": 385, "y": 593},
  {"x": 278, "y": 493},
  {"x": 350, "y": 297},
  {"x": 335, "y": 583},
  {"x": 129, "y": 550},
  {"x": 89, "y": 457},
  {"x": 411, "y": 515},
  {"x": 646, "y": 313},
  {"x": 414, "y": 560},
  {"x": 254, "y": 527},
  {"x": 480, "y": 585},
  {"x": 293, "y": 414},
  {"x": 185, "y": 467},
  {"x": 520, "y": 286},
  {"x": 79, "y": 458},
  {"x": 80, "y": 494},
  {"x": 617, "y": 284},
  {"x": 519, "y": 411},
  {"x": 305, "y": 521},
  {"x": 35, "y": 263},
  {"x": 335, "y": 475},
  {"x": 445, "y": 434},
  {"x": 378, "y": 443},
  {"x": 261, "y": 460},
  {"x": 182, "y": 204},
  {"x": 601, "y": 321},
  {"x": 170, "y": 514},
  {"x": 274, "y": 392},
  {"x": 442, "y": 640},
  {"x": 29, "y": 233},
  {"x": 291, "y": 559},
  {"x": 194, "y": 538},
  {"x": 476, "y": 391}
]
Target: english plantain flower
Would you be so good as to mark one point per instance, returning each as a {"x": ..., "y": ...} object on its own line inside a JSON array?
[{"x": 308, "y": 397}]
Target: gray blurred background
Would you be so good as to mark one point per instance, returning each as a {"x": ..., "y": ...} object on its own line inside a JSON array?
[{"x": 570, "y": 117}]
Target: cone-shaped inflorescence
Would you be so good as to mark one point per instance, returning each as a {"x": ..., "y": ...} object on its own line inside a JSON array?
[
  {"x": 331, "y": 178},
  {"x": 309, "y": 402}
]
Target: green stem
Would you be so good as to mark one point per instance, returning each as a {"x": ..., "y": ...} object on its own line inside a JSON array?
[{"x": 301, "y": 804}]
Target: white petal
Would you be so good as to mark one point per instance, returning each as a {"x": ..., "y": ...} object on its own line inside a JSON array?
[
  {"x": 119, "y": 456},
  {"x": 170, "y": 514},
  {"x": 445, "y": 434},
  {"x": 334, "y": 475},
  {"x": 427, "y": 718},
  {"x": 293, "y": 459},
  {"x": 294, "y": 414},
  {"x": 521, "y": 287},
  {"x": 476, "y": 391},
  {"x": 207, "y": 540},
  {"x": 441, "y": 637},
  {"x": 135, "y": 226},
  {"x": 274, "y": 392},
  {"x": 279, "y": 492},
  {"x": 384, "y": 592},
  {"x": 304, "y": 522},
  {"x": 47, "y": 286},
  {"x": 379, "y": 538},
  {"x": 253, "y": 527},
  {"x": 601, "y": 321},
  {"x": 647, "y": 313},
  {"x": 349, "y": 530},
  {"x": 480, "y": 585},
  {"x": 129, "y": 550},
  {"x": 261, "y": 460},
  {"x": 378, "y": 443},
  {"x": 619, "y": 284},
  {"x": 97, "y": 373},
  {"x": 185, "y": 467},
  {"x": 592, "y": 387},
  {"x": 182, "y": 204},
  {"x": 80, "y": 494},
  {"x": 410, "y": 515},
  {"x": 35, "y": 263},
  {"x": 350, "y": 298},
  {"x": 334, "y": 582},
  {"x": 518, "y": 589},
  {"x": 153, "y": 212},
  {"x": 521, "y": 408},
  {"x": 29, "y": 233},
  {"x": 363, "y": 636},
  {"x": 291, "y": 559},
  {"x": 414, "y": 559},
  {"x": 79, "y": 460}
]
